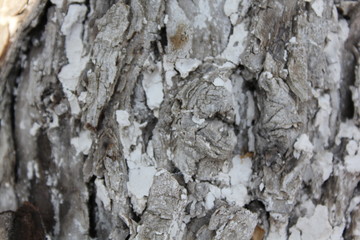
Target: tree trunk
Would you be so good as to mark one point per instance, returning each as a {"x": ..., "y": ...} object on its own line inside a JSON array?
[{"x": 191, "y": 119}]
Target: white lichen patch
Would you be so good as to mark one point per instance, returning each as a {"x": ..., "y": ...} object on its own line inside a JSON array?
[
  {"x": 73, "y": 101},
  {"x": 82, "y": 144},
  {"x": 315, "y": 227},
  {"x": 69, "y": 75},
  {"x": 186, "y": 65},
  {"x": 318, "y": 7},
  {"x": 348, "y": 130},
  {"x": 141, "y": 173},
  {"x": 122, "y": 117},
  {"x": 140, "y": 181},
  {"x": 240, "y": 165},
  {"x": 205, "y": 15},
  {"x": 322, "y": 120},
  {"x": 129, "y": 132},
  {"x": 34, "y": 129},
  {"x": 220, "y": 82},
  {"x": 205, "y": 9},
  {"x": 32, "y": 170},
  {"x": 213, "y": 194},
  {"x": 293, "y": 40},
  {"x": 237, "y": 195},
  {"x": 82, "y": 97},
  {"x": 166, "y": 19},
  {"x": 231, "y": 6},
  {"x": 23, "y": 125},
  {"x": 153, "y": 86},
  {"x": 236, "y": 181},
  {"x": 169, "y": 68},
  {"x": 323, "y": 165},
  {"x": 197, "y": 120},
  {"x": 352, "y": 160},
  {"x": 55, "y": 121},
  {"x": 236, "y": 45},
  {"x": 303, "y": 145},
  {"x": 334, "y": 50},
  {"x": 102, "y": 194}
]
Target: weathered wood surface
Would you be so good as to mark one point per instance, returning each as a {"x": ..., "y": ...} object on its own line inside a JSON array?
[{"x": 191, "y": 119}]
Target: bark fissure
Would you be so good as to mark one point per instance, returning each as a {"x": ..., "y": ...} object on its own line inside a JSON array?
[{"x": 92, "y": 206}]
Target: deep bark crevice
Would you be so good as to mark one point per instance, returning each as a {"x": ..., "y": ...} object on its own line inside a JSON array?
[
  {"x": 92, "y": 208},
  {"x": 13, "y": 129},
  {"x": 347, "y": 104}
]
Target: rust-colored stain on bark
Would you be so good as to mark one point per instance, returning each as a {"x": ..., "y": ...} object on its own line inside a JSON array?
[
  {"x": 258, "y": 234},
  {"x": 247, "y": 155},
  {"x": 180, "y": 37}
]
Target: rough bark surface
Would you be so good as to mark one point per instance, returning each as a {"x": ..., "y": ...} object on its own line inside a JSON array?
[{"x": 181, "y": 119}]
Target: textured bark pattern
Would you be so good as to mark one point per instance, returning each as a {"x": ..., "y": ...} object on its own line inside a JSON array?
[{"x": 182, "y": 119}]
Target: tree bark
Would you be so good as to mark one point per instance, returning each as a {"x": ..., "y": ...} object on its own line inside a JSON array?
[{"x": 191, "y": 119}]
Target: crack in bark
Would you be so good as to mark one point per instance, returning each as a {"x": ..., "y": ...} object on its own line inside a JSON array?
[{"x": 92, "y": 208}]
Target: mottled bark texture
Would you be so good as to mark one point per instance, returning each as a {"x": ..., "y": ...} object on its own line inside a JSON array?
[{"x": 181, "y": 119}]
